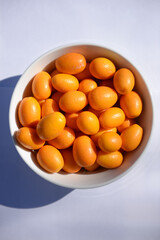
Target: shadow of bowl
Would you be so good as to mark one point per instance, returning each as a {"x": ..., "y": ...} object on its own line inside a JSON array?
[{"x": 20, "y": 186}]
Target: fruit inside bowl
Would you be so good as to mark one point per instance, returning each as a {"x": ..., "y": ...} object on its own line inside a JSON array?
[{"x": 83, "y": 118}]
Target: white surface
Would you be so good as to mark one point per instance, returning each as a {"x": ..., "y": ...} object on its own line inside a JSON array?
[{"x": 32, "y": 208}]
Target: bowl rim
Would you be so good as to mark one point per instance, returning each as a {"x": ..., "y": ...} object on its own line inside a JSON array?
[{"x": 135, "y": 164}]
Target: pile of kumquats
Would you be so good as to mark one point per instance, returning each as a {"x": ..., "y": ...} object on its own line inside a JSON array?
[{"x": 82, "y": 115}]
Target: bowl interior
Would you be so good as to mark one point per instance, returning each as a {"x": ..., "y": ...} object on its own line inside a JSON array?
[{"x": 82, "y": 179}]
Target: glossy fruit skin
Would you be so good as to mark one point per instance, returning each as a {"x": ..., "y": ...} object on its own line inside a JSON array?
[
  {"x": 96, "y": 136},
  {"x": 102, "y": 68},
  {"x": 127, "y": 123},
  {"x": 28, "y": 138},
  {"x": 50, "y": 159},
  {"x": 71, "y": 120},
  {"x": 41, "y": 85},
  {"x": 29, "y": 112},
  {"x": 70, "y": 166},
  {"x": 87, "y": 85},
  {"x": 84, "y": 151},
  {"x": 88, "y": 123},
  {"x": 112, "y": 117},
  {"x": 131, "y": 104},
  {"x": 131, "y": 137},
  {"x": 49, "y": 106},
  {"x": 56, "y": 96},
  {"x": 109, "y": 142},
  {"x": 92, "y": 167},
  {"x": 109, "y": 160},
  {"x": 64, "y": 140},
  {"x": 50, "y": 126},
  {"x": 71, "y": 63},
  {"x": 73, "y": 101},
  {"x": 85, "y": 74},
  {"x": 64, "y": 82},
  {"x": 102, "y": 97},
  {"x": 123, "y": 81}
]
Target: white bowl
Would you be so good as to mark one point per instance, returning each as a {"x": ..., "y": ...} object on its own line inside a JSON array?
[{"x": 83, "y": 179}]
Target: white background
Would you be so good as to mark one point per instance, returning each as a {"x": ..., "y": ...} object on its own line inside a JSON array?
[{"x": 32, "y": 208}]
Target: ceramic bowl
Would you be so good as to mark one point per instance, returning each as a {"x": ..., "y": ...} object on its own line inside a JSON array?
[{"x": 83, "y": 179}]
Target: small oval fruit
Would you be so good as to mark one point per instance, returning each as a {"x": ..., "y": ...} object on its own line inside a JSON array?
[
  {"x": 96, "y": 136},
  {"x": 88, "y": 123},
  {"x": 110, "y": 160},
  {"x": 71, "y": 63},
  {"x": 65, "y": 82},
  {"x": 49, "y": 106},
  {"x": 41, "y": 85},
  {"x": 112, "y": 117},
  {"x": 123, "y": 81},
  {"x": 85, "y": 74},
  {"x": 102, "y": 97},
  {"x": 29, "y": 112},
  {"x": 102, "y": 68},
  {"x": 50, "y": 126},
  {"x": 50, "y": 159},
  {"x": 70, "y": 166},
  {"x": 71, "y": 120},
  {"x": 127, "y": 123},
  {"x": 131, "y": 104},
  {"x": 64, "y": 140},
  {"x": 87, "y": 85},
  {"x": 109, "y": 142},
  {"x": 28, "y": 138},
  {"x": 131, "y": 137},
  {"x": 73, "y": 101},
  {"x": 84, "y": 151},
  {"x": 92, "y": 167}
]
